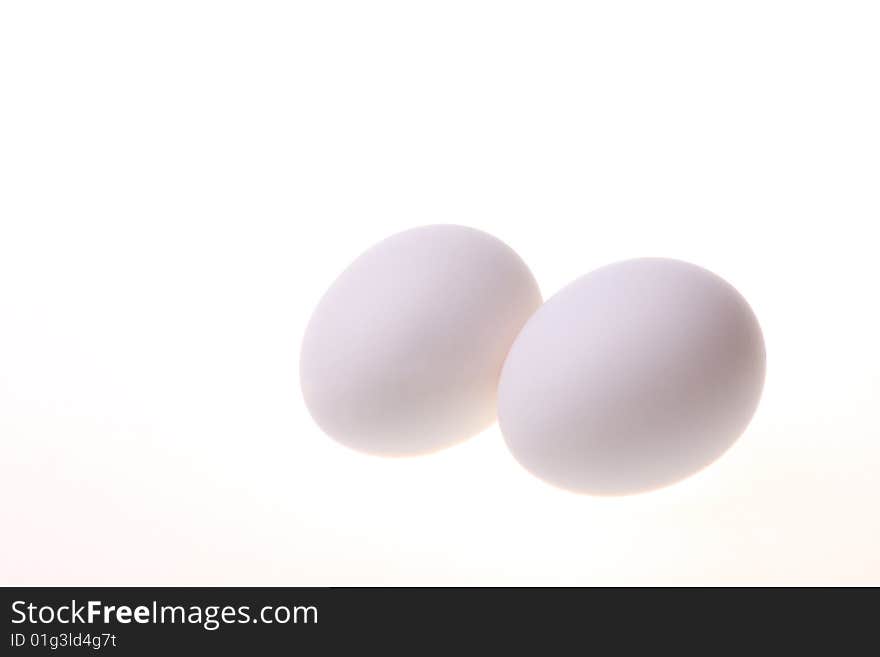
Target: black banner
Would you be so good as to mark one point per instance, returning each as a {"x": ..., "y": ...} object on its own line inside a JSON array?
[{"x": 156, "y": 621}]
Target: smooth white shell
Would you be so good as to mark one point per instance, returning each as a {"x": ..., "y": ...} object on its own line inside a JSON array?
[
  {"x": 402, "y": 355},
  {"x": 632, "y": 377}
]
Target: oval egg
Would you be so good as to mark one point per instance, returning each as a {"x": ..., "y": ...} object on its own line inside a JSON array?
[
  {"x": 403, "y": 353},
  {"x": 631, "y": 378}
]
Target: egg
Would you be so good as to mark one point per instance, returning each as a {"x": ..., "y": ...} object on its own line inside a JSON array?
[
  {"x": 403, "y": 353},
  {"x": 631, "y": 378}
]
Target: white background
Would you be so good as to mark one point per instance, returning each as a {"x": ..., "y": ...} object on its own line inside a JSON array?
[{"x": 181, "y": 181}]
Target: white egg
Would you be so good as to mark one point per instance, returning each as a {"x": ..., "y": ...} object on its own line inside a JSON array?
[
  {"x": 403, "y": 353},
  {"x": 631, "y": 378}
]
